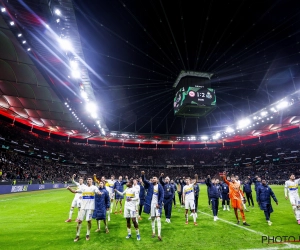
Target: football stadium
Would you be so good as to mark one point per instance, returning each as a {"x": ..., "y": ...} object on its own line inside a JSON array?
[{"x": 149, "y": 124}]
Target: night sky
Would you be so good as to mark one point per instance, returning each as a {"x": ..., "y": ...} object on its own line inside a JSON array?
[{"x": 138, "y": 48}]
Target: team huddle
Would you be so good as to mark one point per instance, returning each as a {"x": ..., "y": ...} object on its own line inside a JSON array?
[{"x": 151, "y": 196}]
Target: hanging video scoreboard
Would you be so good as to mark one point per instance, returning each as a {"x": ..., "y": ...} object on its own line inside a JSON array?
[
  {"x": 193, "y": 93},
  {"x": 194, "y": 96}
]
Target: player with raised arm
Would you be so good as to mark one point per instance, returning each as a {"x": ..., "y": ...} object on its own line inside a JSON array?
[
  {"x": 188, "y": 199},
  {"x": 153, "y": 202},
  {"x": 132, "y": 198},
  {"x": 87, "y": 206},
  {"x": 235, "y": 196},
  {"x": 77, "y": 199},
  {"x": 110, "y": 188},
  {"x": 291, "y": 192}
]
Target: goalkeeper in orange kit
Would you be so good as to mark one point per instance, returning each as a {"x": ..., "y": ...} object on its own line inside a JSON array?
[{"x": 236, "y": 198}]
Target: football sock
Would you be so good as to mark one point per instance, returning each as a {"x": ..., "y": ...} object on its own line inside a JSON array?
[
  {"x": 78, "y": 229},
  {"x": 158, "y": 226},
  {"x": 153, "y": 225},
  {"x": 71, "y": 213}
]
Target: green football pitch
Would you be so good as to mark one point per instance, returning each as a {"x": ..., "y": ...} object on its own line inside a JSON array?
[{"x": 35, "y": 220}]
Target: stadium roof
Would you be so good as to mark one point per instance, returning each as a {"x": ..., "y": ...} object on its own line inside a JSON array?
[{"x": 24, "y": 92}]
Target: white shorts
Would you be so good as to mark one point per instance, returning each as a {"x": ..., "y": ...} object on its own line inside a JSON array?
[
  {"x": 87, "y": 213},
  {"x": 76, "y": 202},
  {"x": 189, "y": 204},
  {"x": 154, "y": 212},
  {"x": 112, "y": 196},
  {"x": 129, "y": 213},
  {"x": 294, "y": 199}
]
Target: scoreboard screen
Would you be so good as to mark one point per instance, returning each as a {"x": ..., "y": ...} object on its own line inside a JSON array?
[{"x": 198, "y": 96}]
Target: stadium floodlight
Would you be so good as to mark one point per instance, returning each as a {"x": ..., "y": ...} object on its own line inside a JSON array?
[
  {"x": 216, "y": 136},
  {"x": 76, "y": 74},
  {"x": 65, "y": 44},
  {"x": 28, "y": 49},
  {"x": 57, "y": 20},
  {"x": 273, "y": 109},
  {"x": 74, "y": 64},
  {"x": 263, "y": 113},
  {"x": 98, "y": 122},
  {"x": 12, "y": 23},
  {"x": 94, "y": 115},
  {"x": 57, "y": 12},
  {"x": 282, "y": 105},
  {"x": 243, "y": 123},
  {"x": 229, "y": 130},
  {"x": 204, "y": 137},
  {"x": 91, "y": 107},
  {"x": 3, "y": 9},
  {"x": 20, "y": 34},
  {"x": 84, "y": 95},
  {"x": 24, "y": 42}
]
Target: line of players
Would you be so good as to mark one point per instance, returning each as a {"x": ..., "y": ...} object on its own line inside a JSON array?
[{"x": 94, "y": 202}]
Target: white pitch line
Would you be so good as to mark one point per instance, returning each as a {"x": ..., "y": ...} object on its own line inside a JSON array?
[
  {"x": 236, "y": 225},
  {"x": 286, "y": 245}
]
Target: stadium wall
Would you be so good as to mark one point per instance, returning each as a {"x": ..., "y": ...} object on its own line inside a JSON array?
[{"x": 7, "y": 189}]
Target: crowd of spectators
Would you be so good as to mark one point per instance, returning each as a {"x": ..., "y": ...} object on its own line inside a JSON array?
[{"x": 27, "y": 156}]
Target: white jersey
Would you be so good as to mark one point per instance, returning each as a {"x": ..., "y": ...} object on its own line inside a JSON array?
[
  {"x": 78, "y": 195},
  {"x": 133, "y": 195},
  {"x": 138, "y": 188},
  {"x": 154, "y": 200},
  {"x": 88, "y": 196},
  {"x": 109, "y": 185},
  {"x": 188, "y": 191},
  {"x": 291, "y": 187}
]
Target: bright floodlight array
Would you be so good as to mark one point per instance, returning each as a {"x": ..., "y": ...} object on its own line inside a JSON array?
[
  {"x": 14, "y": 27},
  {"x": 74, "y": 63}
]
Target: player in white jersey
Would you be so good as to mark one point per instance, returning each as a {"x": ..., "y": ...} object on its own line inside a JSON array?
[
  {"x": 87, "y": 206},
  {"x": 138, "y": 189},
  {"x": 77, "y": 199},
  {"x": 188, "y": 198},
  {"x": 291, "y": 191},
  {"x": 130, "y": 212},
  {"x": 109, "y": 185}
]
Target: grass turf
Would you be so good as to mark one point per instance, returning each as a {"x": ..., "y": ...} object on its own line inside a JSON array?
[{"x": 35, "y": 220}]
